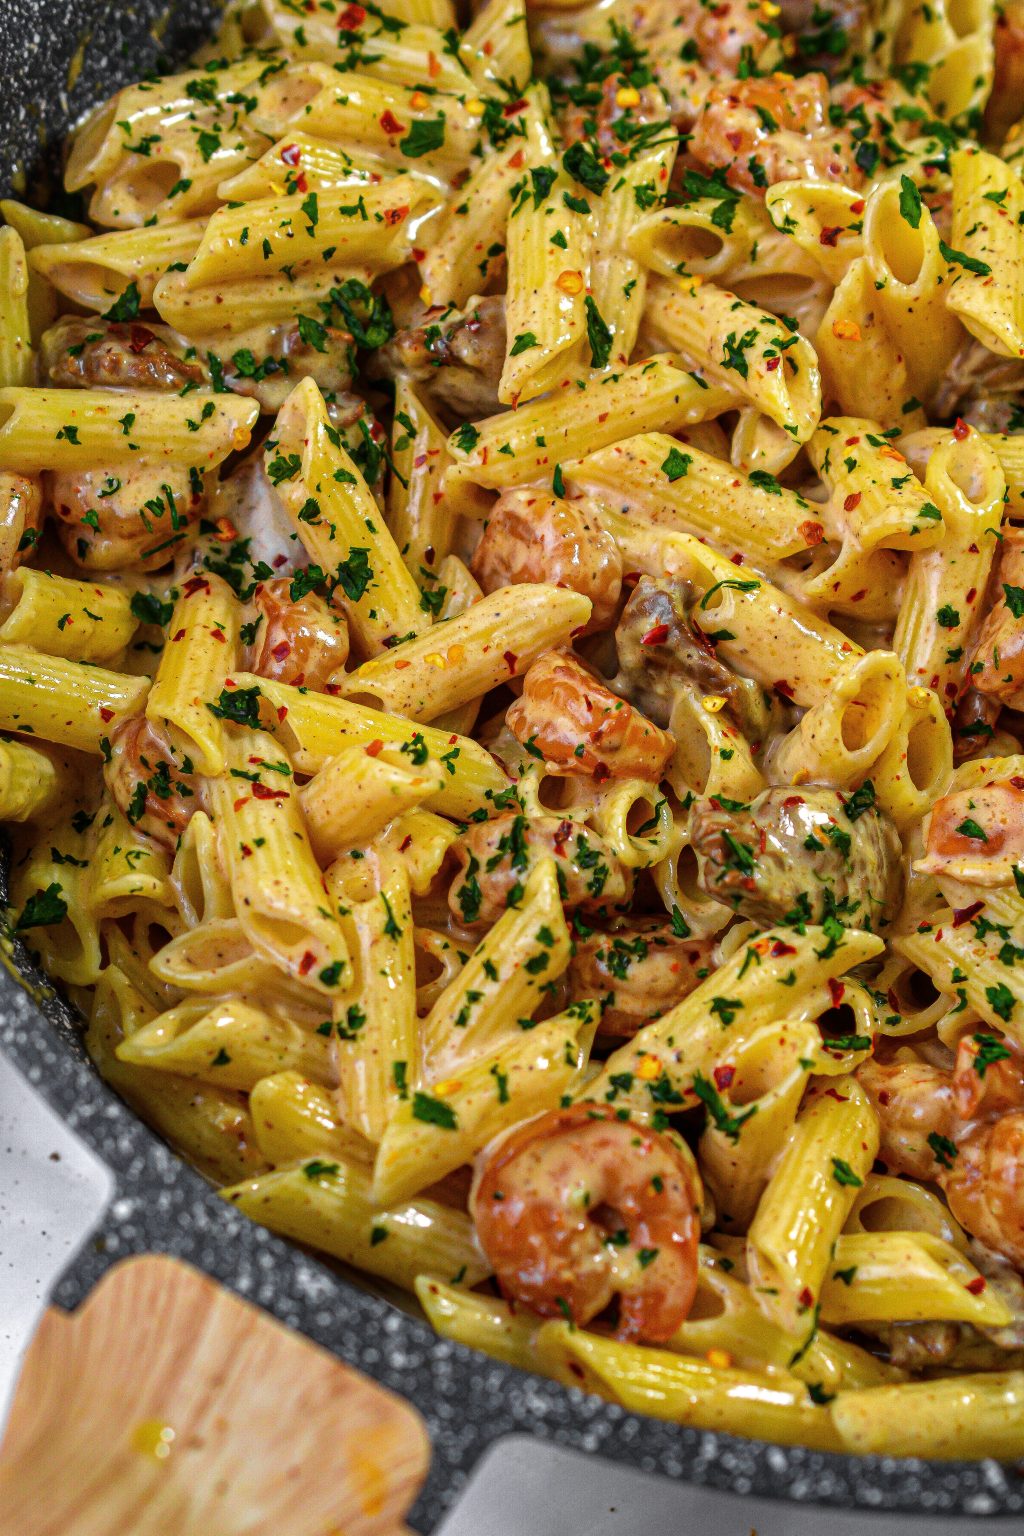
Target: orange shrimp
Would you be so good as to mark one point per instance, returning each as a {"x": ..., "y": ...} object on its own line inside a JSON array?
[
  {"x": 997, "y": 665},
  {"x": 581, "y": 728},
  {"x": 977, "y": 834},
  {"x": 760, "y": 131},
  {"x": 21, "y": 517},
  {"x": 640, "y": 971},
  {"x": 985, "y": 1185},
  {"x": 578, "y": 1206},
  {"x": 298, "y": 640},
  {"x": 912, "y": 1101},
  {"x": 134, "y": 517},
  {"x": 156, "y": 793},
  {"x": 496, "y": 858},
  {"x": 534, "y": 536}
]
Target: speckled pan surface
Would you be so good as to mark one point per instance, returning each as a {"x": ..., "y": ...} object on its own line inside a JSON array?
[{"x": 467, "y": 1400}]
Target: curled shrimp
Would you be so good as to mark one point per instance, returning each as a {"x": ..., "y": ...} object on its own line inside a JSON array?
[
  {"x": 297, "y": 640},
  {"x": 913, "y": 1101},
  {"x": 150, "y": 787},
  {"x": 977, "y": 835},
  {"x": 496, "y": 858},
  {"x": 534, "y": 536},
  {"x": 640, "y": 971},
  {"x": 135, "y": 517},
  {"x": 985, "y": 1185},
  {"x": 577, "y": 1207},
  {"x": 580, "y": 727},
  {"x": 21, "y": 516},
  {"x": 760, "y": 131}
]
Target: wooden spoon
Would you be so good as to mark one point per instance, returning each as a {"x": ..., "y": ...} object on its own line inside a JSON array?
[{"x": 165, "y": 1406}]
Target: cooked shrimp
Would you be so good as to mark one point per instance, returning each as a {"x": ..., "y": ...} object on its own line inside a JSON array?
[
  {"x": 581, "y": 728},
  {"x": 578, "y": 1206},
  {"x": 985, "y": 1186},
  {"x": 534, "y": 536},
  {"x": 760, "y": 131},
  {"x": 1007, "y": 99},
  {"x": 579, "y": 121},
  {"x": 133, "y": 518},
  {"x": 913, "y": 1101},
  {"x": 999, "y": 649},
  {"x": 21, "y": 517},
  {"x": 150, "y": 787},
  {"x": 988, "y": 1077},
  {"x": 977, "y": 834},
  {"x": 296, "y": 640},
  {"x": 496, "y": 858},
  {"x": 639, "y": 972}
]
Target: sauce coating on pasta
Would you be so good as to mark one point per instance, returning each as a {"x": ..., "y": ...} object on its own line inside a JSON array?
[{"x": 511, "y": 616}]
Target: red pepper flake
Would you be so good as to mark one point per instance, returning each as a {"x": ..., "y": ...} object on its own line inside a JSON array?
[
  {"x": 772, "y": 364},
  {"x": 963, "y": 915},
  {"x": 282, "y": 712},
  {"x": 830, "y": 234},
  {"x": 307, "y": 963},
  {"x": 1017, "y": 781},
  {"x": 961, "y": 430},
  {"x": 246, "y": 851},
  {"x": 516, "y": 162},
  {"x": 351, "y": 17},
  {"x": 264, "y": 792},
  {"x": 106, "y": 714},
  {"x": 836, "y": 990},
  {"x": 601, "y": 773},
  {"x": 374, "y": 748},
  {"x": 301, "y": 184},
  {"x": 793, "y": 800},
  {"x": 242, "y": 800},
  {"x": 393, "y": 216},
  {"x": 806, "y": 1297},
  {"x": 514, "y": 107},
  {"x": 333, "y": 689},
  {"x": 723, "y": 1076},
  {"x": 812, "y": 532},
  {"x": 656, "y": 636},
  {"x": 852, "y": 501},
  {"x": 972, "y": 593},
  {"x": 780, "y": 948},
  {"x": 831, "y": 1093},
  {"x": 735, "y": 139},
  {"x": 786, "y": 689},
  {"x": 179, "y": 636},
  {"x": 976, "y": 1286},
  {"x": 292, "y": 154},
  {"x": 139, "y": 338},
  {"x": 406, "y": 840},
  {"x": 389, "y": 122},
  {"x": 510, "y": 659},
  {"x": 281, "y": 650},
  {"x": 858, "y": 206}
]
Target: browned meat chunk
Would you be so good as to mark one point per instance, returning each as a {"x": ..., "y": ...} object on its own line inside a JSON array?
[
  {"x": 799, "y": 854},
  {"x": 456, "y": 355},
  {"x": 663, "y": 650},
  {"x": 93, "y": 353}
]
